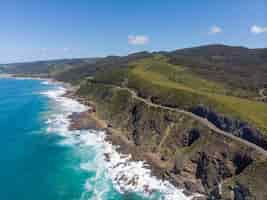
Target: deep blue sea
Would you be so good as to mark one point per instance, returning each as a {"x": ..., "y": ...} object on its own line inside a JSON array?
[{"x": 40, "y": 159}]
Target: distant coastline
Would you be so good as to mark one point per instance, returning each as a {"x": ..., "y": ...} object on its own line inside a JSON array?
[
  {"x": 6, "y": 75},
  {"x": 67, "y": 86}
]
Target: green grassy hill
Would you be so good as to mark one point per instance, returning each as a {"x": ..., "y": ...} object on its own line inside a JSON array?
[
  {"x": 238, "y": 66},
  {"x": 187, "y": 90},
  {"x": 226, "y": 79},
  {"x": 45, "y": 68},
  {"x": 177, "y": 86}
]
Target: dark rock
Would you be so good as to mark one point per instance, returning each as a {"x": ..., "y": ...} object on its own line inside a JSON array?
[
  {"x": 241, "y": 162},
  {"x": 200, "y": 198},
  {"x": 190, "y": 137},
  {"x": 233, "y": 126},
  {"x": 108, "y": 132},
  {"x": 187, "y": 193},
  {"x": 242, "y": 193},
  {"x": 215, "y": 194},
  {"x": 211, "y": 170},
  {"x": 250, "y": 134},
  {"x": 163, "y": 158},
  {"x": 193, "y": 187}
]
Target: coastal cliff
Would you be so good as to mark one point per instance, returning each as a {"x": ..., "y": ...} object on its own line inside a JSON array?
[
  {"x": 196, "y": 115},
  {"x": 179, "y": 147}
]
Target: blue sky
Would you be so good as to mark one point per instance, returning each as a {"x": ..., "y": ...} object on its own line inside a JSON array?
[{"x": 48, "y": 29}]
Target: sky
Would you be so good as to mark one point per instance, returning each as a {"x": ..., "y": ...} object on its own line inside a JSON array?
[{"x": 50, "y": 29}]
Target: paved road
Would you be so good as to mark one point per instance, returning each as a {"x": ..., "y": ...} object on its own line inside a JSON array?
[
  {"x": 261, "y": 93},
  {"x": 262, "y": 96},
  {"x": 198, "y": 118}
]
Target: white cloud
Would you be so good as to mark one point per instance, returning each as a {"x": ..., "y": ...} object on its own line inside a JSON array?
[
  {"x": 44, "y": 52},
  {"x": 66, "y": 49},
  {"x": 138, "y": 39},
  {"x": 258, "y": 29},
  {"x": 215, "y": 30},
  {"x": 44, "y": 49}
]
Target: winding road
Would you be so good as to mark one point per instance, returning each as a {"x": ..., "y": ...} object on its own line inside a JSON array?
[
  {"x": 198, "y": 118},
  {"x": 262, "y": 95}
]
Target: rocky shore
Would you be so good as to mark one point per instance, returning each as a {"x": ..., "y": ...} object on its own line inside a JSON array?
[
  {"x": 90, "y": 120},
  {"x": 176, "y": 148}
]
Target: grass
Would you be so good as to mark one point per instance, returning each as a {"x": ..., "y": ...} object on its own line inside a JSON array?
[
  {"x": 185, "y": 77},
  {"x": 113, "y": 76},
  {"x": 176, "y": 86}
]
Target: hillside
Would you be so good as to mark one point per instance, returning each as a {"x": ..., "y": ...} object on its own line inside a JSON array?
[
  {"x": 45, "y": 68},
  {"x": 239, "y": 66},
  {"x": 200, "y": 159},
  {"x": 218, "y": 82},
  {"x": 198, "y": 113},
  {"x": 101, "y": 66},
  {"x": 226, "y": 79},
  {"x": 178, "y": 146}
]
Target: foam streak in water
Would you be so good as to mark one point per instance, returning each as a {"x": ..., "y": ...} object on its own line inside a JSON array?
[{"x": 108, "y": 164}]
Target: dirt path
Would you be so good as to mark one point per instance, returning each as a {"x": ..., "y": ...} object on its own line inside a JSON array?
[{"x": 200, "y": 119}]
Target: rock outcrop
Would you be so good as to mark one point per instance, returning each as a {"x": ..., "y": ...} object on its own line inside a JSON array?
[
  {"x": 234, "y": 126},
  {"x": 183, "y": 150}
]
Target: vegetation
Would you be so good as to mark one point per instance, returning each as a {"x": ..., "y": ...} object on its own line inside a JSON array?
[
  {"x": 225, "y": 79},
  {"x": 237, "y": 66},
  {"x": 45, "y": 68},
  {"x": 175, "y": 86},
  {"x": 102, "y": 66},
  {"x": 215, "y": 160},
  {"x": 159, "y": 132}
]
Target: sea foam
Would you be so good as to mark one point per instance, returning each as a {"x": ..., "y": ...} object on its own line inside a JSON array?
[{"x": 125, "y": 174}]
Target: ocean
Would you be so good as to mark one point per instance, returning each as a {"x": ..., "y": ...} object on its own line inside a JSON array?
[{"x": 41, "y": 159}]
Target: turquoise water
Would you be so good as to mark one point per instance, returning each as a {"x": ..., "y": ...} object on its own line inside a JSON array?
[{"x": 41, "y": 159}]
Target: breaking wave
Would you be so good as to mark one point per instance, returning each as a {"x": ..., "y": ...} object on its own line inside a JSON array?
[{"x": 111, "y": 170}]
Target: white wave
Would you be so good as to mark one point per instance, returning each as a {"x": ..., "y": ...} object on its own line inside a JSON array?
[
  {"x": 66, "y": 104},
  {"x": 88, "y": 186},
  {"x": 46, "y": 82},
  {"x": 125, "y": 174},
  {"x": 135, "y": 176}
]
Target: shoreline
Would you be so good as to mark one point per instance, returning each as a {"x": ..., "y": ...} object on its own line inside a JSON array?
[
  {"x": 67, "y": 86},
  {"x": 90, "y": 120}
]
